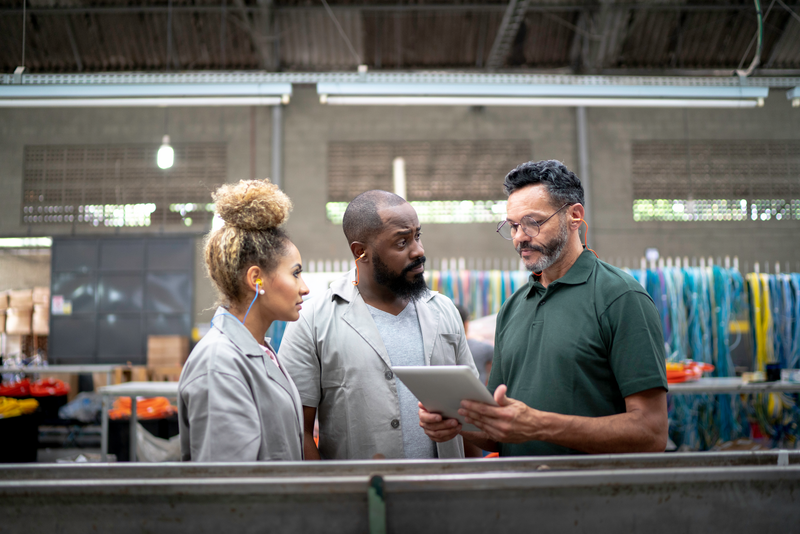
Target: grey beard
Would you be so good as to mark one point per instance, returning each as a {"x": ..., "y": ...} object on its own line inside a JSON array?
[{"x": 549, "y": 253}]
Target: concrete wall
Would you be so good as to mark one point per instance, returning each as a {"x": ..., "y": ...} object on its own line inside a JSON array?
[
  {"x": 617, "y": 235},
  {"x": 24, "y": 269},
  {"x": 239, "y": 128},
  {"x": 309, "y": 126}
]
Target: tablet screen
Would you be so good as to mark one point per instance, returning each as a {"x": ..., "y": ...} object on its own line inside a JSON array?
[{"x": 441, "y": 388}]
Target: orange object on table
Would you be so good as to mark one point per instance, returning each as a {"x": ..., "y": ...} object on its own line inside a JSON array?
[
  {"x": 49, "y": 387},
  {"x": 686, "y": 371},
  {"x": 16, "y": 389},
  {"x": 152, "y": 408}
]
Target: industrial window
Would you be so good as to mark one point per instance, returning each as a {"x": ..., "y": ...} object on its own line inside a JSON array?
[
  {"x": 716, "y": 181},
  {"x": 120, "y": 185},
  {"x": 446, "y": 181}
]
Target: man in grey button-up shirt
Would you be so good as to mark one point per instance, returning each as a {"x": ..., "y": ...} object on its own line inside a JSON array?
[{"x": 336, "y": 355}]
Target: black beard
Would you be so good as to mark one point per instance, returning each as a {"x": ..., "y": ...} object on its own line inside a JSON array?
[{"x": 398, "y": 283}]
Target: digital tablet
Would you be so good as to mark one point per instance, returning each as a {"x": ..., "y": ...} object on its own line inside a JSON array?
[{"x": 441, "y": 388}]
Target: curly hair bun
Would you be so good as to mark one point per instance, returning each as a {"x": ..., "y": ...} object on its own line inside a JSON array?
[{"x": 252, "y": 205}]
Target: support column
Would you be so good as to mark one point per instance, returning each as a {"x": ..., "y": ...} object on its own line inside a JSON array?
[
  {"x": 583, "y": 163},
  {"x": 277, "y": 146},
  {"x": 132, "y": 434}
]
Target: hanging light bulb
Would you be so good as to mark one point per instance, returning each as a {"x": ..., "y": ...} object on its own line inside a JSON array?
[{"x": 166, "y": 156}]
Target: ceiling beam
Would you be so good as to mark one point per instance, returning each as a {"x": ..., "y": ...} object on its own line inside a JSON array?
[
  {"x": 115, "y": 10},
  {"x": 257, "y": 37},
  {"x": 788, "y": 36},
  {"x": 73, "y": 45},
  {"x": 509, "y": 27}
]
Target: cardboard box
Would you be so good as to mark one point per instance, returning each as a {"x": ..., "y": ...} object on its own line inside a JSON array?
[
  {"x": 41, "y": 320},
  {"x": 133, "y": 373},
  {"x": 20, "y": 298},
  {"x": 165, "y": 374},
  {"x": 2, "y": 321},
  {"x": 167, "y": 351},
  {"x": 41, "y": 296},
  {"x": 3, "y": 300},
  {"x": 19, "y": 321}
]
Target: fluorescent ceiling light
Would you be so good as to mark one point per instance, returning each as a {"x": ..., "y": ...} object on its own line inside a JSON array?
[
  {"x": 794, "y": 96},
  {"x": 26, "y": 242},
  {"x": 146, "y": 94},
  {"x": 538, "y": 102},
  {"x": 144, "y": 90},
  {"x": 540, "y": 90},
  {"x": 142, "y": 102}
]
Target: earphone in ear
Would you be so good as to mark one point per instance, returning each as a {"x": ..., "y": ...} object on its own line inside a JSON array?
[
  {"x": 258, "y": 285},
  {"x": 358, "y": 274}
]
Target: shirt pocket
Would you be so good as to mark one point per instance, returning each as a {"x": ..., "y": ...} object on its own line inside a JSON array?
[{"x": 445, "y": 350}]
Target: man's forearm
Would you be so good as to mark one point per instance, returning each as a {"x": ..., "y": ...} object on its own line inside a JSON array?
[
  {"x": 613, "y": 434},
  {"x": 310, "y": 450},
  {"x": 643, "y": 427}
]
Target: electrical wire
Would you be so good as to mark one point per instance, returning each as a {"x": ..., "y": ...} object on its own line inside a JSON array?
[{"x": 760, "y": 37}]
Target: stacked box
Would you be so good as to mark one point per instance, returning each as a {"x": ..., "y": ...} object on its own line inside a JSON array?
[
  {"x": 3, "y": 308},
  {"x": 167, "y": 351},
  {"x": 41, "y": 319},
  {"x": 130, "y": 373},
  {"x": 18, "y": 321},
  {"x": 41, "y": 296},
  {"x": 21, "y": 299}
]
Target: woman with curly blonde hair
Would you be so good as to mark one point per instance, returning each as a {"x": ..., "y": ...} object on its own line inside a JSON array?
[{"x": 236, "y": 402}]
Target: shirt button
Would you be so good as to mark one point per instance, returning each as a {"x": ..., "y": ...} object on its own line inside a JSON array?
[
  {"x": 395, "y": 423},
  {"x": 542, "y": 303},
  {"x": 388, "y": 375}
]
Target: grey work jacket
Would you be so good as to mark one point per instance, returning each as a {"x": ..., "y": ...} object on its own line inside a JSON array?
[
  {"x": 234, "y": 404},
  {"x": 340, "y": 365}
]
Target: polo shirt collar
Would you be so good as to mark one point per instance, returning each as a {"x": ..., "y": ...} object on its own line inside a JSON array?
[
  {"x": 577, "y": 274},
  {"x": 344, "y": 288}
]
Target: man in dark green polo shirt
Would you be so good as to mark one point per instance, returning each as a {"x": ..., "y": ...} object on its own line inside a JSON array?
[{"x": 579, "y": 353}]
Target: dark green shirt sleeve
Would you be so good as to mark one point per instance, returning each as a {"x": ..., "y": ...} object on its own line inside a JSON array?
[{"x": 632, "y": 331}]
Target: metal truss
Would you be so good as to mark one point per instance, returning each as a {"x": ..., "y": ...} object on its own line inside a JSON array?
[{"x": 395, "y": 77}]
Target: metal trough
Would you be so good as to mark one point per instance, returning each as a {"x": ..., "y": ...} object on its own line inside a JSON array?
[{"x": 649, "y": 493}]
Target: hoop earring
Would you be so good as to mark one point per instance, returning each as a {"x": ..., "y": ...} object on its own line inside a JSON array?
[{"x": 358, "y": 274}]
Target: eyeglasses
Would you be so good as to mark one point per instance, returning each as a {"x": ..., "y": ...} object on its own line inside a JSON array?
[{"x": 508, "y": 229}]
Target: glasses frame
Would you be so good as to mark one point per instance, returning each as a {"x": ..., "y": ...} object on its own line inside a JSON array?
[{"x": 514, "y": 227}]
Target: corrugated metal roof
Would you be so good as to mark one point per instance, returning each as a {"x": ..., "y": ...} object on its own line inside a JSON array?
[{"x": 95, "y": 36}]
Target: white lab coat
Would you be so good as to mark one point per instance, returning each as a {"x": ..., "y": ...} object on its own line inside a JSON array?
[{"x": 234, "y": 404}]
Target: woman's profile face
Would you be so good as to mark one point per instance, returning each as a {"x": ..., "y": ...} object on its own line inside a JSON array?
[{"x": 284, "y": 287}]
